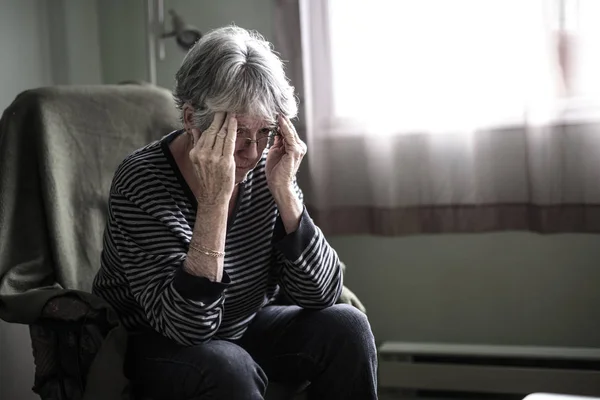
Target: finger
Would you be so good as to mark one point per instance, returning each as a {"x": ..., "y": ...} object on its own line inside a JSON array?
[
  {"x": 277, "y": 142},
  {"x": 217, "y": 122},
  {"x": 297, "y": 143},
  {"x": 220, "y": 139},
  {"x": 292, "y": 129},
  {"x": 229, "y": 139},
  {"x": 287, "y": 130},
  {"x": 211, "y": 133}
]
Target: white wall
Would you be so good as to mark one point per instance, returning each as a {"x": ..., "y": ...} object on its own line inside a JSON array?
[
  {"x": 122, "y": 40},
  {"x": 123, "y": 33},
  {"x": 207, "y": 15},
  {"x": 25, "y": 61},
  {"x": 500, "y": 288},
  {"x": 74, "y": 41},
  {"x": 42, "y": 43},
  {"x": 82, "y": 42}
]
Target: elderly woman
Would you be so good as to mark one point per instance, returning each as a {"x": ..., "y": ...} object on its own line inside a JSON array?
[{"x": 207, "y": 225}]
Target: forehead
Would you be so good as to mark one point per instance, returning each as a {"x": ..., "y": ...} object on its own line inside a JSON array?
[{"x": 251, "y": 122}]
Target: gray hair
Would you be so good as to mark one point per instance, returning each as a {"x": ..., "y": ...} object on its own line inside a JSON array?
[{"x": 233, "y": 70}]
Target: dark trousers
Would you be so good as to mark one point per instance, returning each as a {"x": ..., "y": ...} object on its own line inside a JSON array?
[{"x": 333, "y": 349}]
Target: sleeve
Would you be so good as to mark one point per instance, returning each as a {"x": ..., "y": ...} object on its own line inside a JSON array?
[
  {"x": 310, "y": 273},
  {"x": 181, "y": 306}
]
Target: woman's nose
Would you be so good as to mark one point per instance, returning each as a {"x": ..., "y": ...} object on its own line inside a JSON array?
[{"x": 250, "y": 150}]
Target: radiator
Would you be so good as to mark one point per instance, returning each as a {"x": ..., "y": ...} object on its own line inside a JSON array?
[{"x": 489, "y": 368}]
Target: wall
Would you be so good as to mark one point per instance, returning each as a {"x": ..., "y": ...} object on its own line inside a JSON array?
[
  {"x": 501, "y": 288},
  {"x": 22, "y": 30},
  {"x": 42, "y": 43},
  {"x": 123, "y": 33},
  {"x": 207, "y": 15},
  {"x": 82, "y": 42},
  {"x": 122, "y": 40}
]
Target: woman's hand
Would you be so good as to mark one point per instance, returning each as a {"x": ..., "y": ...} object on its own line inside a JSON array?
[
  {"x": 213, "y": 161},
  {"x": 284, "y": 156},
  {"x": 283, "y": 161}
]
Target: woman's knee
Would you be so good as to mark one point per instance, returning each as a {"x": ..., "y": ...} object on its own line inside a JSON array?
[
  {"x": 225, "y": 363},
  {"x": 218, "y": 368},
  {"x": 346, "y": 321}
]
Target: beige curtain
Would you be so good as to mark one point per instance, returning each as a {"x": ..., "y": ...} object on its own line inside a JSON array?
[{"x": 421, "y": 120}]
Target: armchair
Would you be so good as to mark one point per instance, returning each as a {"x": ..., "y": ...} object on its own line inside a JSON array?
[{"x": 59, "y": 148}]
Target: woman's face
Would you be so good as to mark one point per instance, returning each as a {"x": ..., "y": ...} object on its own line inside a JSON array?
[
  {"x": 251, "y": 141},
  {"x": 248, "y": 152}
]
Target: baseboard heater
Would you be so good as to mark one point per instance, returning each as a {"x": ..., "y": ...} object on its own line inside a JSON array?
[{"x": 489, "y": 368}]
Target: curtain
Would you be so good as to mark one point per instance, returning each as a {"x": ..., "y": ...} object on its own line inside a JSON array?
[{"x": 431, "y": 116}]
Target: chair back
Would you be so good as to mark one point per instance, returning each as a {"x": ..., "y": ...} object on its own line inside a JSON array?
[{"x": 59, "y": 149}]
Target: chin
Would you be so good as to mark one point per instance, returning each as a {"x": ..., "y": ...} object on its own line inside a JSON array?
[{"x": 240, "y": 175}]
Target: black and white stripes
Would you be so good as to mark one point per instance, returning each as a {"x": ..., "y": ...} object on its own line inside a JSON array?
[{"x": 150, "y": 224}]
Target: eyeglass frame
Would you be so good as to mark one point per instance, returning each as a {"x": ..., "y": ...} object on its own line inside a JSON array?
[{"x": 271, "y": 136}]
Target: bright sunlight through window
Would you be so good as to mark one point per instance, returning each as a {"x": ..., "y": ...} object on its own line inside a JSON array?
[{"x": 440, "y": 65}]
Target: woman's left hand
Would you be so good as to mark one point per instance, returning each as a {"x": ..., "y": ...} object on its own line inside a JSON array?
[{"x": 284, "y": 156}]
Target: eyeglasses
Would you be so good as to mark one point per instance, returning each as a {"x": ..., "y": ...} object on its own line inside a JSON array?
[{"x": 264, "y": 138}]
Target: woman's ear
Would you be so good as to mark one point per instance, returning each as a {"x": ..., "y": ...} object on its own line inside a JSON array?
[{"x": 188, "y": 118}]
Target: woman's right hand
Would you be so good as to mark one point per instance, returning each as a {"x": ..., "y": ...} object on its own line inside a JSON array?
[{"x": 213, "y": 161}]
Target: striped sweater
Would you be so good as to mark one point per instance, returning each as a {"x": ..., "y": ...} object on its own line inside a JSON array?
[{"x": 151, "y": 219}]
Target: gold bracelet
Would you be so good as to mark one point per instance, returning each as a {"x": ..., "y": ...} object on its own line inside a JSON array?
[{"x": 208, "y": 252}]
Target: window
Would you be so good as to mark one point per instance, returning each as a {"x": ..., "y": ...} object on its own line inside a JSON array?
[{"x": 445, "y": 66}]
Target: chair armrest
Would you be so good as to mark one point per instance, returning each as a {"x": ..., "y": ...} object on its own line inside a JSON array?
[
  {"x": 65, "y": 308},
  {"x": 65, "y": 341}
]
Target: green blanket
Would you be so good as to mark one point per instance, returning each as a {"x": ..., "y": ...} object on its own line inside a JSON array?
[{"x": 59, "y": 148}]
